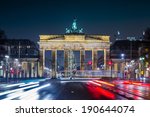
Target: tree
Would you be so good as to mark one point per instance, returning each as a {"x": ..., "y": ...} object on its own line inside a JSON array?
[
  {"x": 147, "y": 34},
  {"x": 2, "y": 34}
]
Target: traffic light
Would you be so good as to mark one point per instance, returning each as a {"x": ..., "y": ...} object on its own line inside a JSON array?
[
  {"x": 110, "y": 62},
  {"x": 89, "y": 62}
]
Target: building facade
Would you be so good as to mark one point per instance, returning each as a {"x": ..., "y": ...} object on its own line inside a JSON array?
[
  {"x": 18, "y": 58},
  {"x": 76, "y": 49},
  {"x": 131, "y": 57}
]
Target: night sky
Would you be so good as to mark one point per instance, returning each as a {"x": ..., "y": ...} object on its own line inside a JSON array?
[{"x": 27, "y": 19}]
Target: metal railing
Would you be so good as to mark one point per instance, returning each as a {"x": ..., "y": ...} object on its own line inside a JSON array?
[{"x": 89, "y": 74}]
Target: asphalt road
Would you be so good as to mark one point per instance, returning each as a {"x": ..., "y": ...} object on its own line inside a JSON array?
[{"x": 72, "y": 90}]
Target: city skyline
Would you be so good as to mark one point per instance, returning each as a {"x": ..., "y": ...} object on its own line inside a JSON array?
[{"x": 28, "y": 19}]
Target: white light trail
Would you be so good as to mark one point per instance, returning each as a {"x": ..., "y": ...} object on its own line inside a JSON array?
[
  {"x": 31, "y": 83},
  {"x": 12, "y": 85},
  {"x": 12, "y": 91},
  {"x": 28, "y": 95}
]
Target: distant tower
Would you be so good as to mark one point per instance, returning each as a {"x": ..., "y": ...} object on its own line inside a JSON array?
[
  {"x": 118, "y": 32},
  {"x": 118, "y": 35},
  {"x": 143, "y": 33}
]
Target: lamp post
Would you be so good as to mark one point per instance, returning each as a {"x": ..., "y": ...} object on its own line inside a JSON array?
[
  {"x": 7, "y": 66},
  {"x": 16, "y": 68},
  {"x": 142, "y": 65},
  {"x": 123, "y": 57},
  {"x": 110, "y": 64}
]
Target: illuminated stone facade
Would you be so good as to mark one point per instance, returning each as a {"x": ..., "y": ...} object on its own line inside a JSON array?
[
  {"x": 80, "y": 42},
  {"x": 74, "y": 40},
  {"x": 18, "y": 58}
]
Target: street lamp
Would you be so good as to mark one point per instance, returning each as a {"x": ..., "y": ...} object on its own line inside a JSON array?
[
  {"x": 123, "y": 57},
  {"x": 142, "y": 66},
  {"x": 16, "y": 67},
  {"x": 6, "y": 56},
  {"x": 110, "y": 64},
  {"x": 141, "y": 58},
  {"x": 7, "y": 65}
]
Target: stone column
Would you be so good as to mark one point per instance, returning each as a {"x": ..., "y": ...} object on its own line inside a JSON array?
[
  {"x": 41, "y": 63},
  {"x": 94, "y": 59},
  {"x": 43, "y": 58},
  {"x": 105, "y": 59},
  {"x": 66, "y": 61},
  {"x": 32, "y": 69},
  {"x": 116, "y": 69},
  {"x": 140, "y": 69},
  {"x": 54, "y": 63},
  {"x": 28, "y": 69},
  {"x": 23, "y": 69},
  {"x": 82, "y": 58},
  {"x": 36, "y": 69},
  {"x": 123, "y": 69}
]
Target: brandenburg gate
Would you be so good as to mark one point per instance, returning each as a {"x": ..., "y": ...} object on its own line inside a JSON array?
[{"x": 73, "y": 40}]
